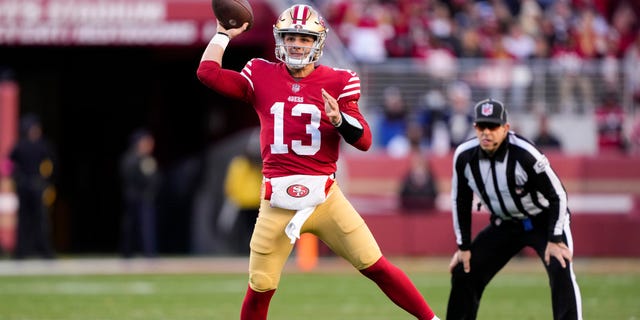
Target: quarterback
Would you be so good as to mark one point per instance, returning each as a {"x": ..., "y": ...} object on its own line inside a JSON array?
[{"x": 305, "y": 109}]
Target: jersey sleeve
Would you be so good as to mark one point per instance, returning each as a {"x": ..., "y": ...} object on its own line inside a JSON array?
[
  {"x": 229, "y": 83},
  {"x": 544, "y": 181},
  {"x": 462, "y": 200},
  {"x": 354, "y": 128},
  {"x": 548, "y": 183}
]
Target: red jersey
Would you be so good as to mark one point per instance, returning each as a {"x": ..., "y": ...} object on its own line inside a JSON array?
[{"x": 296, "y": 136}]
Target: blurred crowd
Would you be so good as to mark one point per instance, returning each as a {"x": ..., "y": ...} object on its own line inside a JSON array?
[
  {"x": 374, "y": 30},
  {"x": 588, "y": 43},
  {"x": 442, "y": 121},
  {"x": 576, "y": 38}
]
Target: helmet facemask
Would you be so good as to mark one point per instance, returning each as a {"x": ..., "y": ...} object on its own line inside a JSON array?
[{"x": 299, "y": 19}]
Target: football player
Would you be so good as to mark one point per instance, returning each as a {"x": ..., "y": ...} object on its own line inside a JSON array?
[{"x": 305, "y": 109}]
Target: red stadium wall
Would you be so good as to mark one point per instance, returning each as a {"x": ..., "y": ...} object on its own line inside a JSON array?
[{"x": 605, "y": 191}]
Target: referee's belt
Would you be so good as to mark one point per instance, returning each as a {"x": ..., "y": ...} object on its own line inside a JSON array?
[{"x": 526, "y": 223}]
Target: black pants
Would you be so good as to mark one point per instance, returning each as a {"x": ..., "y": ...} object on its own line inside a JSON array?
[
  {"x": 491, "y": 250},
  {"x": 139, "y": 228},
  {"x": 33, "y": 237}
]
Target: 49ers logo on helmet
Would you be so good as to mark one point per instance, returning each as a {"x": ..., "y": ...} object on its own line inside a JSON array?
[{"x": 297, "y": 191}]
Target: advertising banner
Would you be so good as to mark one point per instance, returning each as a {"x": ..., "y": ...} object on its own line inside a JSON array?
[{"x": 107, "y": 22}]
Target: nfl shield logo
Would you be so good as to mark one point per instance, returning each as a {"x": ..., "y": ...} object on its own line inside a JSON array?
[
  {"x": 487, "y": 109},
  {"x": 295, "y": 87}
]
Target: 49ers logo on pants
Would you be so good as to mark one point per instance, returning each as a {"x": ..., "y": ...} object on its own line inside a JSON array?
[{"x": 297, "y": 191}]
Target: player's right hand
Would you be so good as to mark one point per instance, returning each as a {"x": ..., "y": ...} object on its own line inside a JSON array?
[
  {"x": 463, "y": 257},
  {"x": 232, "y": 33}
]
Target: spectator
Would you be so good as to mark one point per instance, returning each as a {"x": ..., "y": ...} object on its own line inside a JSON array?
[
  {"x": 459, "y": 116},
  {"x": 530, "y": 16},
  {"x": 366, "y": 29},
  {"x": 589, "y": 31},
  {"x": 624, "y": 23},
  {"x": 568, "y": 64},
  {"x": 392, "y": 127},
  {"x": 34, "y": 163},
  {"x": 488, "y": 25},
  {"x": 418, "y": 191},
  {"x": 588, "y": 34},
  {"x": 557, "y": 21},
  {"x": 435, "y": 56},
  {"x": 517, "y": 43},
  {"x": 441, "y": 24},
  {"x": 545, "y": 139},
  {"x": 140, "y": 182},
  {"x": 416, "y": 137},
  {"x": 495, "y": 74},
  {"x": 610, "y": 123},
  {"x": 631, "y": 62},
  {"x": 634, "y": 137},
  {"x": 610, "y": 64},
  {"x": 404, "y": 24},
  {"x": 430, "y": 112},
  {"x": 467, "y": 44}
]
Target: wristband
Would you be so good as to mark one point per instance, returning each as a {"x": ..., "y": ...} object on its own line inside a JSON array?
[{"x": 220, "y": 39}]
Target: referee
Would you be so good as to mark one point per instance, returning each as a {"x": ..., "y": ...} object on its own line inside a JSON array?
[{"x": 528, "y": 205}]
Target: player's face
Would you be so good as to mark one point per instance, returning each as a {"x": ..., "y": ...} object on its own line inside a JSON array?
[
  {"x": 491, "y": 135},
  {"x": 298, "y": 45}
]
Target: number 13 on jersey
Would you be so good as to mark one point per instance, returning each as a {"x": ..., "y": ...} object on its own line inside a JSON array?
[{"x": 312, "y": 129}]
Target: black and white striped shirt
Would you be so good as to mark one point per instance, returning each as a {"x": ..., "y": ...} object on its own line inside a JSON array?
[{"x": 517, "y": 182}]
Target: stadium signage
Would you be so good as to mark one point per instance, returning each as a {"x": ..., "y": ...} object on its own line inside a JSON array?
[{"x": 105, "y": 22}]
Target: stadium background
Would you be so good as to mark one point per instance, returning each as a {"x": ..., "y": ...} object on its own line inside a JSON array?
[{"x": 96, "y": 70}]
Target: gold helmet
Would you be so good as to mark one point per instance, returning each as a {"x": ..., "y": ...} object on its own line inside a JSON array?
[{"x": 300, "y": 19}]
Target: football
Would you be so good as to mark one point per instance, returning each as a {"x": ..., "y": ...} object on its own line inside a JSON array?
[{"x": 233, "y": 13}]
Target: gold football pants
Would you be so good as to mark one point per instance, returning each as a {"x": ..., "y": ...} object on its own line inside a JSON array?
[{"x": 335, "y": 222}]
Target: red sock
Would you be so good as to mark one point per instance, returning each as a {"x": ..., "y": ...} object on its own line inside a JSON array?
[
  {"x": 399, "y": 288},
  {"x": 256, "y": 304}
]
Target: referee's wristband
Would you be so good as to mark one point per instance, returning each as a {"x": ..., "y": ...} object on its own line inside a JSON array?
[{"x": 222, "y": 39}]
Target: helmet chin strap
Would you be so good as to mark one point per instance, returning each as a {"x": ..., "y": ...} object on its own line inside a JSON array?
[
  {"x": 294, "y": 63},
  {"x": 295, "y": 66}
]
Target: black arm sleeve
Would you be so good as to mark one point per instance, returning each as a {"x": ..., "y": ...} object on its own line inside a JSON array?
[{"x": 350, "y": 129}]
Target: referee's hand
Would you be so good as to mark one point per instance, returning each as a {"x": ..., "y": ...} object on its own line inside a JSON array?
[
  {"x": 463, "y": 257},
  {"x": 560, "y": 251}
]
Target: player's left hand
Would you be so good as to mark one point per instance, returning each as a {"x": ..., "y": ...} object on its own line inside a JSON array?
[
  {"x": 560, "y": 251},
  {"x": 331, "y": 108}
]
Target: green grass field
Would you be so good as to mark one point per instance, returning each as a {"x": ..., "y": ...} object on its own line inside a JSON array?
[{"x": 343, "y": 294}]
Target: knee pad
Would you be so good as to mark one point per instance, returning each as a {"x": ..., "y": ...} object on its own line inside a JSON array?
[{"x": 262, "y": 282}]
